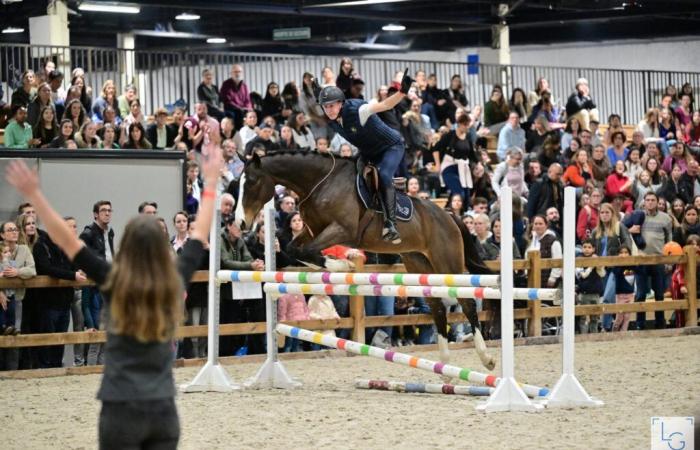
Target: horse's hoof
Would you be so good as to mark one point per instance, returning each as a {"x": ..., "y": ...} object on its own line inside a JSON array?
[{"x": 491, "y": 364}]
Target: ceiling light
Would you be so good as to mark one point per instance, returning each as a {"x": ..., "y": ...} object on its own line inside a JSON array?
[
  {"x": 216, "y": 40},
  {"x": 393, "y": 27},
  {"x": 112, "y": 7},
  {"x": 187, "y": 16},
  {"x": 10, "y": 30},
  {"x": 354, "y": 3}
]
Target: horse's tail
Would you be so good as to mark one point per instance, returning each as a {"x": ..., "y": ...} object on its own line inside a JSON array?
[{"x": 472, "y": 259}]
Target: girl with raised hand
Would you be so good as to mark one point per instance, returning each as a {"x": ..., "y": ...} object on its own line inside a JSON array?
[{"x": 144, "y": 288}]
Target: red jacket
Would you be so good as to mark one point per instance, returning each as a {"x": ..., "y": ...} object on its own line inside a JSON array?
[
  {"x": 614, "y": 183},
  {"x": 586, "y": 223}
]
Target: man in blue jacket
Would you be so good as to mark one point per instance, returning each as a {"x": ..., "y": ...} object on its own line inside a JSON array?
[{"x": 356, "y": 121}]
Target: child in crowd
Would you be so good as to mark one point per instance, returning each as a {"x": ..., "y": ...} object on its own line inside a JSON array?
[
  {"x": 624, "y": 290},
  {"x": 292, "y": 307},
  {"x": 589, "y": 285},
  {"x": 679, "y": 288},
  {"x": 7, "y": 296},
  {"x": 321, "y": 307}
]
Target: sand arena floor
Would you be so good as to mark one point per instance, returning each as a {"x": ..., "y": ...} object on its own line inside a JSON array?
[{"x": 637, "y": 378}]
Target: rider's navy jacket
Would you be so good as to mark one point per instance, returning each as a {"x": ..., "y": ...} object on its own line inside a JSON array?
[{"x": 372, "y": 138}]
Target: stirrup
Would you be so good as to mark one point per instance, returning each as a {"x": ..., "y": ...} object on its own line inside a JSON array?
[{"x": 390, "y": 233}]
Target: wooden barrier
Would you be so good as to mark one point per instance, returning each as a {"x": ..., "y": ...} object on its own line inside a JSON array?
[{"x": 358, "y": 321}]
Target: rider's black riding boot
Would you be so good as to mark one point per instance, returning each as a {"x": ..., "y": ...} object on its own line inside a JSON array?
[{"x": 389, "y": 233}]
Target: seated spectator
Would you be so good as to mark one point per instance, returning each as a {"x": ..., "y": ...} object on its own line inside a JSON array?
[
  {"x": 684, "y": 113},
  {"x": 488, "y": 250},
  {"x": 76, "y": 113},
  {"x": 322, "y": 145},
  {"x": 87, "y": 137},
  {"x": 679, "y": 156},
  {"x": 181, "y": 223},
  {"x": 671, "y": 187},
  {"x": 108, "y": 97},
  {"x": 510, "y": 173},
  {"x": 580, "y": 105},
  {"x": 46, "y": 128},
  {"x": 42, "y": 99},
  {"x": 688, "y": 181},
  {"x": 248, "y": 131},
  {"x": 65, "y": 134},
  {"x": 546, "y": 108},
  {"x": 572, "y": 130},
  {"x": 208, "y": 93},
  {"x": 327, "y": 76},
  {"x": 692, "y": 137},
  {"x": 688, "y": 226},
  {"x": 569, "y": 154},
  {"x": 535, "y": 139},
  {"x": 135, "y": 115},
  {"x": 658, "y": 176},
  {"x": 301, "y": 132},
  {"x": 579, "y": 173},
  {"x": 496, "y": 110},
  {"x": 619, "y": 184},
  {"x": 548, "y": 244},
  {"x": 687, "y": 88},
  {"x": 667, "y": 127},
  {"x": 109, "y": 137},
  {"x": 235, "y": 96},
  {"x": 85, "y": 96},
  {"x": 346, "y": 151},
  {"x": 26, "y": 93},
  {"x": 511, "y": 135},
  {"x": 455, "y": 205},
  {"x": 287, "y": 141},
  {"x": 18, "y": 133},
  {"x": 231, "y": 158},
  {"x": 637, "y": 142},
  {"x": 136, "y": 138},
  {"x": 110, "y": 117},
  {"x": 159, "y": 134},
  {"x": 262, "y": 143},
  {"x": 534, "y": 96},
  {"x": 124, "y": 100},
  {"x": 614, "y": 125},
  {"x": 676, "y": 213},
  {"x": 633, "y": 163},
  {"x": 272, "y": 102},
  {"x": 193, "y": 186},
  {"x": 345, "y": 75},
  {"x": 547, "y": 192},
  {"x": 482, "y": 186},
  {"x": 534, "y": 172},
  {"x": 551, "y": 151},
  {"x": 58, "y": 94},
  {"x": 495, "y": 238},
  {"x": 618, "y": 151},
  {"x": 519, "y": 105},
  {"x": 649, "y": 126},
  {"x": 228, "y": 131}
]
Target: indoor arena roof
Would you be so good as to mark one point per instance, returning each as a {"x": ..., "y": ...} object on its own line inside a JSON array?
[{"x": 356, "y": 25}]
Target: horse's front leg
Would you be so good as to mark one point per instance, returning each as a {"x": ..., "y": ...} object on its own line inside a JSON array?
[{"x": 307, "y": 248}]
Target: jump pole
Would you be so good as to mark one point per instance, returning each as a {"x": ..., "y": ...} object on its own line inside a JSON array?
[
  {"x": 410, "y": 291},
  {"x": 509, "y": 395},
  {"x": 401, "y": 358},
  {"x": 369, "y": 278},
  {"x": 272, "y": 373},
  {"x": 423, "y": 388},
  {"x": 568, "y": 392},
  {"x": 212, "y": 376}
]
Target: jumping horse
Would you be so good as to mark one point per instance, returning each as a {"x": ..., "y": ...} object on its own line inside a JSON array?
[{"x": 433, "y": 241}]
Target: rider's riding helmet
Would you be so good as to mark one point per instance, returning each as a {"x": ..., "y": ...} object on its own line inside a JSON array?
[{"x": 330, "y": 94}]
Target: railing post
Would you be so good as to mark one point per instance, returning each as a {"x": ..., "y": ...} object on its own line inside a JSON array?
[
  {"x": 534, "y": 280},
  {"x": 357, "y": 308},
  {"x": 691, "y": 318}
]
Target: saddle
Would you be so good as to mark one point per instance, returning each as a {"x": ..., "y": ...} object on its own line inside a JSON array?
[{"x": 368, "y": 190}]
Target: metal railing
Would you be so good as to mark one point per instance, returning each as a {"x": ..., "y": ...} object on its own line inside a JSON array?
[{"x": 165, "y": 77}]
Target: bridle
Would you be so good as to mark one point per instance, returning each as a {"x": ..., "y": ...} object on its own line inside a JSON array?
[{"x": 314, "y": 189}]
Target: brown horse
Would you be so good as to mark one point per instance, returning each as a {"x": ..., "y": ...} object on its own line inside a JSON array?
[{"x": 433, "y": 241}]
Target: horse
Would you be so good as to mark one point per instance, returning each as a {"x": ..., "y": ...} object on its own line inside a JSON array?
[{"x": 433, "y": 241}]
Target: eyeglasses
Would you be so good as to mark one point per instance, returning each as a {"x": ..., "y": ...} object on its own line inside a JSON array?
[{"x": 105, "y": 210}]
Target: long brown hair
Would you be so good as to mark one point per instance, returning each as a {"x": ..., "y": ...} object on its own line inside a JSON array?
[{"x": 144, "y": 285}]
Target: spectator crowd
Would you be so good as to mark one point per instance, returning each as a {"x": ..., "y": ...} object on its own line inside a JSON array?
[{"x": 638, "y": 190}]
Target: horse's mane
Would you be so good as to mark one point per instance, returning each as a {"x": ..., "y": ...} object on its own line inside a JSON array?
[{"x": 308, "y": 153}]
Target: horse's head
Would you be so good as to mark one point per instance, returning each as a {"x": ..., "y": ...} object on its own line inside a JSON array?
[{"x": 258, "y": 189}]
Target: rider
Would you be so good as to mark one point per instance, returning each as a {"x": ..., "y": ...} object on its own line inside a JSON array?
[{"x": 356, "y": 121}]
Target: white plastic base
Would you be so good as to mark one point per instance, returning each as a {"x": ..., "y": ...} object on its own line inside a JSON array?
[
  {"x": 211, "y": 378},
  {"x": 508, "y": 396},
  {"x": 569, "y": 393},
  {"x": 272, "y": 374}
]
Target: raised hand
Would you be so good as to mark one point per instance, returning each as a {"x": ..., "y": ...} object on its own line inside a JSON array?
[
  {"x": 406, "y": 82},
  {"x": 22, "y": 178}
]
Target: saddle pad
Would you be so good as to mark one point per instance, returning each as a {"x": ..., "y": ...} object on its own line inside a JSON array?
[{"x": 404, "y": 205}]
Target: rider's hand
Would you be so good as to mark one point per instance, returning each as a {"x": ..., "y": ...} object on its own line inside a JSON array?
[{"x": 406, "y": 82}]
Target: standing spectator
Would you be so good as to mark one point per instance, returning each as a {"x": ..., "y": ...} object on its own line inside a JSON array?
[
  {"x": 656, "y": 231},
  {"x": 624, "y": 290},
  {"x": 453, "y": 154},
  {"x": 272, "y": 102},
  {"x": 302, "y": 133},
  {"x": 292, "y": 307},
  {"x": 589, "y": 288},
  {"x": 181, "y": 222},
  {"x": 549, "y": 246},
  {"x": 159, "y": 134},
  {"x": 99, "y": 238},
  {"x": 18, "y": 133},
  {"x": 55, "y": 303},
  {"x": 235, "y": 96},
  {"x": 547, "y": 192},
  {"x": 511, "y": 135},
  {"x": 20, "y": 265},
  {"x": 124, "y": 101},
  {"x": 588, "y": 216},
  {"x": 510, "y": 173},
  {"x": 345, "y": 75},
  {"x": 208, "y": 93},
  {"x": 581, "y": 105},
  {"x": 107, "y": 98},
  {"x": 689, "y": 182}
]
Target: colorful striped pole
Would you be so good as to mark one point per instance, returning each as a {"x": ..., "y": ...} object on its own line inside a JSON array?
[
  {"x": 423, "y": 388},
  {"x": 410, "y": 291},
  {"x": 401, "y": 279},
  {"x": 402, "y": 358}
]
